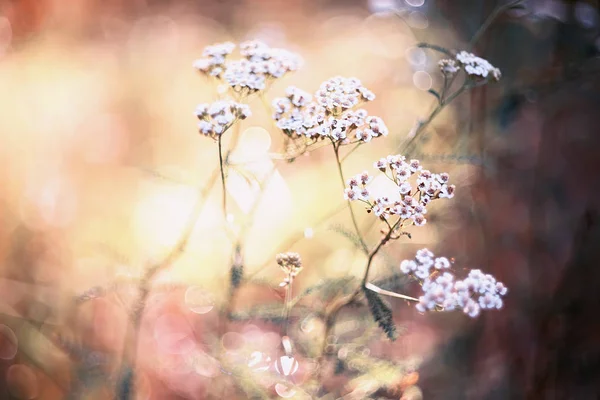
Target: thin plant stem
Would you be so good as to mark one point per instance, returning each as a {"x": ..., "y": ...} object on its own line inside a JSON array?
[
  {"x": 447, "y": 85},
  {"x": 288, "y": 305},
  {"x": 336, "y": 150},
  {"x": 238, "y": 258},
  {"x": 222, "y": 169},
  {"x": 378, "y": 290},
  {"x": 351, "y": 151},
  {"x": 489, "y": 20},
  {"x": 333, "y": 310},
  {"x": 167, "y": 261},
  {"x": 440, "y": 106},
  {"x": 376, "y": 249}
]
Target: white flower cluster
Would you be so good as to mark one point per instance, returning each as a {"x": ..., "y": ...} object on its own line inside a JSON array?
[
  {"x": 478, "y": 291},
  {"x": 330, "y": 115},
  {"x": 339, "y": 93},
  {"x": 291, "y": 264},
  {"x": 251, "y": 73},
  {"x": 414, "y": 197},
  {"x": 215, "y": 118},
  {"x": 449, "y": 67},
  {"x": 477, "y": 67},
  {"x": 213, "y": 61}
]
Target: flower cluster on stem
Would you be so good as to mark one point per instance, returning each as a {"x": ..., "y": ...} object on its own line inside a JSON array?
[
  {"x": 259, "y": 65},
  {"x": 215, "y": 118},
  {"x": 291, "y": 264},
  {"x": 410, "y": 206},
  {"x": 441, "y": 292},
  {"x": 330, "y": 114},
  {"x": 475, "y": 67}
]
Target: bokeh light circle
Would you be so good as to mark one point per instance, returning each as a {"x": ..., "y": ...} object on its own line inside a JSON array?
[
  {"x": 199, "y": 300},
  {"x": 418, "y": 20},
  {"x": 416, "y": 56},
  {"x": 22, "y": 382},
  {"x": 9, "y": 343},
  {"x": 422, "y": 80},
  {"x": 232, "y": 341},
  {"x": 285, "y": 391},
  {"x": 173, "y": 334}
]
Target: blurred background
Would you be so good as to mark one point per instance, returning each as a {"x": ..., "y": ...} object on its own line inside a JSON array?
[{"x": 100, "y": 161}]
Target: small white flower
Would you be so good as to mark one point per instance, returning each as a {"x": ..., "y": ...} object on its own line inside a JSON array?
[
  {"x": 442, "y": 263},
  {"x": 501, "y": 289},
  {"x": 363, "y": 194},
  {"x": 414, "y": 166},
  {"x": 408, "y": 201},
  {"x": 422, "y": 272},
  {"x": 350, "y": 194},
  {"x": 404, "y": 188},
  {"x": 381, "y": 164},
  {"x": 403, "y": 174},
  {"x": 419, "y": 219},
  {"x": 488, "y": 301},
  {"x": 420, "y": 209},
  {"x": 405, "y": 212},
  {"x": 365, "y": 178},
  {"x": 447, "y": 191},
  {"x": 408, "y": 266},
  {"x": 364, "y": 135},
  {"x": 472, "y": 309}
]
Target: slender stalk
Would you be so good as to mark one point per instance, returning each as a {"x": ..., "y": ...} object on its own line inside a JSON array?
[
  {"x": 351, "y": 151},
  {"x": 288, "y": 305},
  {"x": 333, "y": 310},
  {"x": 378, "y": 290},
  {"x": 144, "y": 286},
  {"x": 222, "y": 169},
  {"x": 336, "y": 150},
  {"x": 376, "y": 249},
  {"x": 489, "y": 20},
  {"x": 238, "y": 257}
]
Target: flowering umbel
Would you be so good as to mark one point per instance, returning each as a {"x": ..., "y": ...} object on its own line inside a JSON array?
[
  {"x": 414, "y": 194},
  {"x": 291, "y": 264},
  {"x": 215, "y": 118},
  {"x": 259, "y": 65},
  {"x": 330, "y": 114},
  {"x": 441, "y": 292},
  {"x": 475, "y": 67}
]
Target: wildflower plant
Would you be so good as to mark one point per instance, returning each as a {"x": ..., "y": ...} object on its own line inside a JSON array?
[{"x": 332, "y": 115}]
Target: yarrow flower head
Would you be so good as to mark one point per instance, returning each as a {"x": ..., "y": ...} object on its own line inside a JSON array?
[
  {"x": 416, "y": 188},
  {"x": 259, "y": 64},
  {"x": 291, "y": 264},
  {"x": 213, "y": 61},
  {"x": 477, "y": 67},
  {"x": 441, "y": 292},
  {"x": 449, "y": 67},
  {"x": 215, "y": 118},
  {"x": 329, "y": 114}
]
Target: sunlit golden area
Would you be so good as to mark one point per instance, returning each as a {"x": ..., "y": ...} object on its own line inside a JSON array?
[{"x": 179, "y": 224}]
